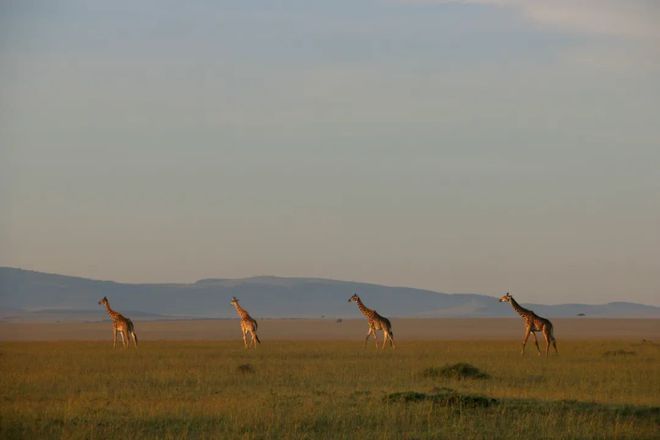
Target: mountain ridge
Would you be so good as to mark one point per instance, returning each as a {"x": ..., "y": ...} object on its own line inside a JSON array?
[{"x": 24, "y": 292}]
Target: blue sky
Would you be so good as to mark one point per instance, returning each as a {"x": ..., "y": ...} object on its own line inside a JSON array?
[{"x": 462, "y": 146}]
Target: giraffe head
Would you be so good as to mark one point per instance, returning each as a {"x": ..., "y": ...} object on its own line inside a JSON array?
[
  {"x": 234, "y": 301},
  {"x": 103, "y": 301},
  {"x": 354, "y": 298},
  {"x": 506, "y": 298}
]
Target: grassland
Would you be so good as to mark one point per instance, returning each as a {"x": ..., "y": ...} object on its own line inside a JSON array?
[{"x": 329, "y": 389}]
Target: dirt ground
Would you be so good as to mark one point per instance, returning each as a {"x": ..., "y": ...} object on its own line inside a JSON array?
[{"x": 328, "y": 329}]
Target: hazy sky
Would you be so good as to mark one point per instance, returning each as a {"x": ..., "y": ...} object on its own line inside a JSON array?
[{"x": 462, "y": 146}]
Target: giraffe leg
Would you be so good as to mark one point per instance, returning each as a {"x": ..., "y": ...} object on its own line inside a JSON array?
[
  {"x": 124, "y": 343},
  {"x": 547, "y": 337},
  {"x": 536, "y": 342},
  {"x": 384, "y": 339},
  {"x": 366, "y": 340},
  {"x": 245, "y": 339},
  {"x": 375, "y": 333},
  {"x": 527, "y": 332},
  {"x": 114, "y": 338},
  {"x": 552, "y": 339},
  {"x": 390, "y": 336}
]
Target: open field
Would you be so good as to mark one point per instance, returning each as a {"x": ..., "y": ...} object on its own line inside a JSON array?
[
  {"x": 329, "y": 329},
  {"x": 328, "y": 389}
]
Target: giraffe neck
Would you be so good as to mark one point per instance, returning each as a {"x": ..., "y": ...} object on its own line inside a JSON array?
[
  {"x": 364, "y": 309},
  {"x": 520, "y": 309},
  {"x": 113, "y": 315},
  {"x": 241, "y": 311}
]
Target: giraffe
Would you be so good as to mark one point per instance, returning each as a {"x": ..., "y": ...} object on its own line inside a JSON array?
[
  {"x": 120, "y": 324},
  {"x": 376, "y": 322},
  {"x": 533, "y": 323},
  {"x": 248, "y": 324}
]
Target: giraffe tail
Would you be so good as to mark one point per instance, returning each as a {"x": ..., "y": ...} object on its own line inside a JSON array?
[{"x": 256, "y": 338}]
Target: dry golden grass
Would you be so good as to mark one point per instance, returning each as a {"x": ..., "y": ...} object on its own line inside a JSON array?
[
  {"x": 329, "y": 329},
  {"x": 328, "y": 389}
]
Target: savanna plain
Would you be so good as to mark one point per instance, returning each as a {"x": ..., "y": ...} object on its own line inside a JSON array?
[{"x": 595, "y": 388}]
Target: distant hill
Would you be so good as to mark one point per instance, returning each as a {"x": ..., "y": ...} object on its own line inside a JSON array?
[{"x": 30, "y": 295}]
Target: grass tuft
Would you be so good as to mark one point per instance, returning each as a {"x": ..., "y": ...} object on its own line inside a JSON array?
[
  {"x": 458, "y": 371},
  {"x": 444, "y": 397},
  {"x": 245, "y": 369},
  {"x": 615, "y": 353}
]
